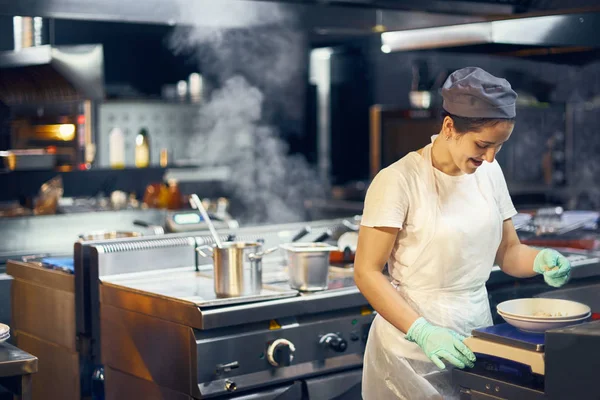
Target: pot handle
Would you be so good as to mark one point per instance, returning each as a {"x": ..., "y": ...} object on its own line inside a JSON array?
[
  {"x": 305, "y": 231},
  {"x": 323, "y": 236},
  {"x": 260, "y": 255},
  {"x": 200, "y": 250}
]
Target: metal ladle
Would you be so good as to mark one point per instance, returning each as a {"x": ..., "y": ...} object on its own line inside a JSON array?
[{"x": 195, "y": 201}]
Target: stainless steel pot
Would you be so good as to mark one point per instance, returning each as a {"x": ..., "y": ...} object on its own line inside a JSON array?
[
  {"x": 308, "y": 265},
  {"x": 237, "y": 267}
]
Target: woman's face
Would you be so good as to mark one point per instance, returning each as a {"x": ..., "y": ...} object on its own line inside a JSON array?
[{"x": 469, "y": 150}]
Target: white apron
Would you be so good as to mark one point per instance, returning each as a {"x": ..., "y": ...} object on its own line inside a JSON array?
[{"x": 395, "y": 368}]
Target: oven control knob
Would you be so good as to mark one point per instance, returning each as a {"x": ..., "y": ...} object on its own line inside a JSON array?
[
  {"x": 230, "y": 386},
  {"x": 334, "y": 341},
  {"x": 280, "y": 353}
]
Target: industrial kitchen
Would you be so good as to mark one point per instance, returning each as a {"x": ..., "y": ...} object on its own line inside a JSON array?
[{"x": 242, "y": 199}]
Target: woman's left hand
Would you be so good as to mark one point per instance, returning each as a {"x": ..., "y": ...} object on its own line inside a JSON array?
[{"x": 554, "y": 266}]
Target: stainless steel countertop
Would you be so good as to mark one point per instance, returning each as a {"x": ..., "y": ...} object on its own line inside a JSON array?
[{"x": 15, "y": 362}]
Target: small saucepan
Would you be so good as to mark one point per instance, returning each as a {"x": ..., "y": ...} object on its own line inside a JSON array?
[{"x": 237, "y": 267}]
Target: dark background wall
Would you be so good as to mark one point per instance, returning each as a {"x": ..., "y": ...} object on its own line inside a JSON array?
[{"x": 137, "y": 55}]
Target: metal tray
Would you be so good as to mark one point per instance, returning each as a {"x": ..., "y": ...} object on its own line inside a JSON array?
[{"x": 186, "y": 284}]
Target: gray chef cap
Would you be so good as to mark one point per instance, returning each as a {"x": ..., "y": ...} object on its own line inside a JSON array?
[{"x": 474, "y": 93}]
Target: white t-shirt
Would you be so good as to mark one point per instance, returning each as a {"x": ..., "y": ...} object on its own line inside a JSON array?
[{"x": 398, "y": 197}]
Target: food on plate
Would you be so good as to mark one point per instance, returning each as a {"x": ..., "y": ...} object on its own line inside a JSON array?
[{"x": 547, "y": 314}]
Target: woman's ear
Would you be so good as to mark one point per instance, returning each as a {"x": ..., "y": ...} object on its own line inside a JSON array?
[{"x": 447, "y": 127}]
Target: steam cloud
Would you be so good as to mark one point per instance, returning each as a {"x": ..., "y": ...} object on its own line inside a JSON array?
[{"x": 254, "y": 57}]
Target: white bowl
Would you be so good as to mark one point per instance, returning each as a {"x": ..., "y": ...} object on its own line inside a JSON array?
[
  {"x": 4, "y": 329},
  {"x": 564, "y": 319},
  {"x": 558, "y": 309},
  {"x": 4, "y": 338},
  {"x": 538, "y": 326}
]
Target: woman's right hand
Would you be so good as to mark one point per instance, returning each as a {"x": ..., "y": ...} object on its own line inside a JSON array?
[{"x": 440, "y": 343}]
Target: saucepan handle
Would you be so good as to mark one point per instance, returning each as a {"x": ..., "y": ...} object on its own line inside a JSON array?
[
  {"x": 260, "y": 255},
  {"x": 201, "y": 250}
]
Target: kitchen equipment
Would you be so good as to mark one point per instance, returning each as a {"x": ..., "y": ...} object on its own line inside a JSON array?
[
  {"x": 512, "y": 364},
  {"x": 186, "y": 221},
  {"x": 196, "y": 203},
  {"x": 32, "y": 159},
  {"x": 259, "y": 349},
  {"x": 238, "y": 267},
  {"x": 308, "y": 265},
  {"x": 53, "y": 93}
]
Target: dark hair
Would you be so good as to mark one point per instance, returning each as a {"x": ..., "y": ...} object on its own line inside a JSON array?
[{"x": 468, "y": 124}]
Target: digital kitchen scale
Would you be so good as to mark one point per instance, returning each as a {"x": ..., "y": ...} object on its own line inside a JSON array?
[{"x": 504, "y": 341}]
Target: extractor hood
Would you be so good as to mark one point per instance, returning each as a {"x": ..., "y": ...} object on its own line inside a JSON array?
[
  {"x": 528, "y": 36},
  {"x": 43, "y": 74}
]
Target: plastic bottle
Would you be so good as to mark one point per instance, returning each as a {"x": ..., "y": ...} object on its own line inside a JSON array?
[
  {"x": 116, "y": 148},
  {"x": 142, "y": 149}
]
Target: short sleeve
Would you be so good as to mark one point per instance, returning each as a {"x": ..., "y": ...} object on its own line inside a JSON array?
[
  {"x": 505, "y": 204},
  {"x": 386, "y": 202}
]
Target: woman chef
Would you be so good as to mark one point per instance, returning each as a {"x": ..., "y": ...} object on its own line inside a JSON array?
[{"x": 441, "y": 217}]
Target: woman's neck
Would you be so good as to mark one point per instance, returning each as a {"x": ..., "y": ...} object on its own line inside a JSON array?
[{"x": 441, "y": 158}]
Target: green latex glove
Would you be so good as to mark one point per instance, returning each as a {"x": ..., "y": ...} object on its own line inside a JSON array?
[
  {"x": 440, "y": 343},
  {"x": 554, "y": 266}
]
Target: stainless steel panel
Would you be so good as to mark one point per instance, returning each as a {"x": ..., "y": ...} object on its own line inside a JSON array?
[
  {"x": 187, "y": 312},
  {"x": 15, "y": 361},
  {"x": 250, "y": 347},
  {"x": 290, "y": 373},
  {"x": 302, "y": 305},
  {"x": 344, "y": 385},
  {"x": 144, "y": 254}
]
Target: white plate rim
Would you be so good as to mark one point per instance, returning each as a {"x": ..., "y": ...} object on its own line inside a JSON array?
[{"x": 525, "y": 319}]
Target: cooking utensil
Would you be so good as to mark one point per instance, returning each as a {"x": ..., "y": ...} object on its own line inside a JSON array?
[
  {"x": 237, "y": 267},
  {"x": 196, "y": 203},
  {"x": 308, "y": 265},
  {"x": 529, "y": 307}
]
